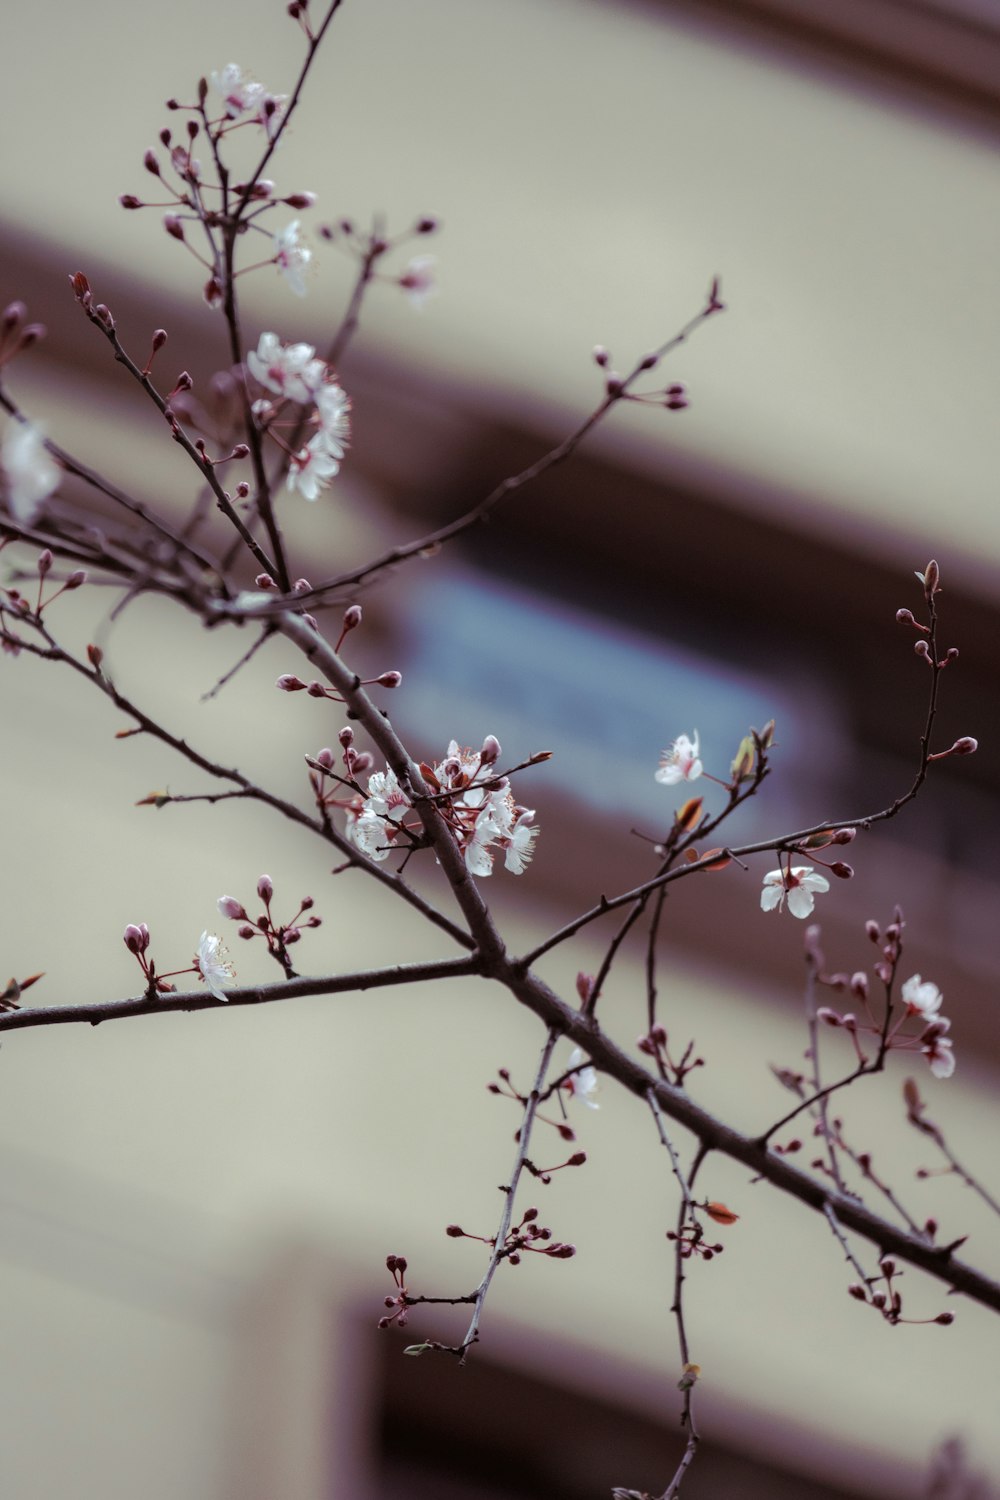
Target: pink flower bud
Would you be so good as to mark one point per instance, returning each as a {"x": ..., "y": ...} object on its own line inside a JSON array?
[
  {"x": 136, "y": 939},
  {"x": 12, "y": 317},
  {"x": 151, "y": 163},
  {"x": 352, "y": 617},
  {"x": 265, "y": 888},
  {"x": 76, "y": 579},
  {"x": 455, "y": 1232},
  {"x": 174, "y": 227},
  {"x": 129, "y": 200},
  {"x": 300, "y": 200},
  {"x": 944, "y": 1319},
  {"x": 831, "y": 1017},
  {"x": 873, "y": 931},
  {"x": 325, "y": 759},
  {"x": 44, "y": 562},
  {"x": 265, "y": 581},
  {"x": 601, "y": 356},
  {"x": 316, "y": 690},
  {"x": 844, "y": 836},
  {"x": 301, "y": 586},
  {"x": 231, "y": 908},
  {"x": 905, "y": 617},
  {"x": 490, "y": 753},
  {"x": 857, "y": 1292},
  {"x": 362, "y": 762},
  {"x": 390, "y": 679},
  {"x": 932, "y": 579},
  {"x": 289, "y": 683},
  {"x": 842, "y": 871},
  {"x": 922, "y": 649},
  {"x": 965, "y": 746},
  {"x": 859, "y": 985}
]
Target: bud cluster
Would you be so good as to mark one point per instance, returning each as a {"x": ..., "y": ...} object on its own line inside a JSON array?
[{"x": 279, "y": 936}]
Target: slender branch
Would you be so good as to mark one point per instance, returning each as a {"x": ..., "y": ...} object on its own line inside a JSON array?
[
  {"x": 481, "y": 511},
  {"x": 265, "y": 994},
  {"x": 510, "y": 1191}
]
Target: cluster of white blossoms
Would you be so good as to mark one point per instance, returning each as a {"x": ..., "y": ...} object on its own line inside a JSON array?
[
  {"x": 477, "y": 805},
  {"x": 294, "y": 373}
]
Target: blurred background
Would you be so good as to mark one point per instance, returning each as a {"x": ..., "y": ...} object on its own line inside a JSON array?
[{"x": 196, "y": 1209}]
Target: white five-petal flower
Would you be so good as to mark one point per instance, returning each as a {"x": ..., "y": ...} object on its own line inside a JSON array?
[
  {"x": 212, "y": 963},
  {"x": 921, "y": 997},
  {"x": 680, "y": 762},
  {"x": 800, "y": 885}
]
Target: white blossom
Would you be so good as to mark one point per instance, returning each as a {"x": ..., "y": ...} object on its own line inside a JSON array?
[
  {"x": 921, "y": 997},
  {"x": 936, "y": 1047},
  {"x": 311, "y": 469},
  {"x": 213, "y": 964},
  {"x": 289, "y": 370},
  {"x": 418, "y": 281},
  {"x": 30, "y": 471},
  {"x": 800, "y": 884},
  {"x": 333, "y": 411},
  {"x": 583, "y": 1085},
  {"x": 291, "y": 257},
  {"x": 240, "y": 95},
  {"x": 680, "y": 762}
]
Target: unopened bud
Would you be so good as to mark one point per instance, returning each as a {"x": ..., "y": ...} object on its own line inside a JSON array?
[
  {"x": 965, "y": 746},
  {"x": 95, "y": 656},
  {"x": 859, "y": 985},
  {"x": 289, "y": 683},
  {"x": 841, "y": 870},
  {"x": 455, "y": 1231},
  {"x": 873, "y": 930},
  {"x": 44, "y": 562},
  {"x": 931, "y": 579},
  {"x": 174, "y": 227},
  {"x": 230, "y": 907},
  {"x": 858, "y": 1292},
  {"x": 490, "y": 753},
  {"x": 601, "y": 356},
  {"x": 944, "y": 1319},
  {"x": 922, "y": 649},
  {"x": 905, "y": 617},
  {"x": 265, "y": 888},
  {"x": 352, "y": 617},
  {"x": 390, "y": 679},
  {"x": 136, "y": 938},
  {"x": 844, "y": 836},
  {"x": 129, "y": 200}
]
